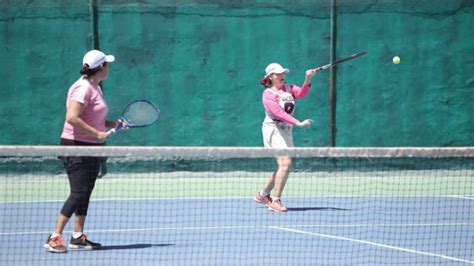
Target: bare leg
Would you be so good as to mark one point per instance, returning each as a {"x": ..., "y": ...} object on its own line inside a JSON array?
[
  {"x": 61, "y": 223},
  {"x": 270, "y": 184},
  {"x": 79, "y": 225},
  {"x": 284, "y": 166}
]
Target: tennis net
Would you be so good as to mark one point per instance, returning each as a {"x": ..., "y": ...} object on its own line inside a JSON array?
[{"x": 194, "y": 206}]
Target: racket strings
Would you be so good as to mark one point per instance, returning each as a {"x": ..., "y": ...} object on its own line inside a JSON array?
[{"x": 141, "y": 114}]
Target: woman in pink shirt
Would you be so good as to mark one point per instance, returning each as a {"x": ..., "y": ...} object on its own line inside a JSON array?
[
  {"x": 279, "y": 103},
  {"x": 85, "y": 125}
]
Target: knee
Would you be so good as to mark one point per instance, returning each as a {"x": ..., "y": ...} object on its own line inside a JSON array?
[
  {"x": 77, "y": 202},
  {"x": 80, "y": 196},
  {"x": 284, "y": 164}
]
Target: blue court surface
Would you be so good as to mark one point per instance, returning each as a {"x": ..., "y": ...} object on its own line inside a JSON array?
[{"x": 347, "y": 230}]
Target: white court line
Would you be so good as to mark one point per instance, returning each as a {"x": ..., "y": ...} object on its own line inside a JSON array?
[
  {"x": 463, "y": 197},
  {"x": 144, "y": 229},
  {"x": 241, "y": 197},
  {"x": 374, "y": 244},
  {"x": 130, "y": 199},
  {"x": 245, "y": 227},
  {"x": 379, "y": 225}
]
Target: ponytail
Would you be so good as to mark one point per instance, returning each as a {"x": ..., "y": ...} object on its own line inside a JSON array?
[
  {"x": 89, "y": 72},
  {"x": 266, "y": 82}
]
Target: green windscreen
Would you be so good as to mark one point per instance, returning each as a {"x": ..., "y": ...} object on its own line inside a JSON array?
[{"x": 201, "y": 62}]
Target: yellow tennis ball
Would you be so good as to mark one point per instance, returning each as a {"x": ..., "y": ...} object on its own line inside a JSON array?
[{"x": 396, "y": 60}]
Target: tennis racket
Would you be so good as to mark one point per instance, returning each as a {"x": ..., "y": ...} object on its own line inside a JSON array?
[
  {"x": 138, "y": 113},
  {"x": 340, "y": 61}
]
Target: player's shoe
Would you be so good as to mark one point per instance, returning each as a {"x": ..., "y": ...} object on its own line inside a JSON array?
[
  {"x": 277, "y": 206},
  {"x": 55, "y": 244},
  {"x": 263, "y": 199},
  {"x": 82, "y": 243}
]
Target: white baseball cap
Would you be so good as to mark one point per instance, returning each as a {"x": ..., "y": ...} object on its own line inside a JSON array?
[
  {"x": 95, "y": 58},
  {"x": 275, "y": 68}
]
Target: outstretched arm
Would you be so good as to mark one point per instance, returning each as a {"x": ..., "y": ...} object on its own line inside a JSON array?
[{"x": 303, "y": 91}]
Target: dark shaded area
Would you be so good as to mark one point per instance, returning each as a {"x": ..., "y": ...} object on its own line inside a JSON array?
[{"x": 133, "y": 246}]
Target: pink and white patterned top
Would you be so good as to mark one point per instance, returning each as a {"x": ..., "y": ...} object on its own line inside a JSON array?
[{"x": 280, "y": 104}]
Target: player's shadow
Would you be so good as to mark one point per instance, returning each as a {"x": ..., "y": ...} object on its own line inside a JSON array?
[
  {"x": 133, "y": 246},
  {"x": 302, "y": 209}
]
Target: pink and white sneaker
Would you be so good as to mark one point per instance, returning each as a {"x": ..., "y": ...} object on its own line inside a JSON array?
[
  {"x": 277, "y": 206},
  {"x": 263, "y": 199}
]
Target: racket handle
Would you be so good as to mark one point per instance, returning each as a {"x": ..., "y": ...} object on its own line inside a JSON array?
[
  {"x": 325, "y": 67},
  {"x": 117, "y": 128},
  {"x": 111, "y": 131}
]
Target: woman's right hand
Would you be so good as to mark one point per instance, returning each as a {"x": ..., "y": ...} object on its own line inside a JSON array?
[
  {"x": 102, "y": 136},
  {"x": 305, "y": 123},
  {"x": 311, "y": 72}
]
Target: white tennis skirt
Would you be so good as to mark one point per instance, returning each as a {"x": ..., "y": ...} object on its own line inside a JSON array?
[{"x": 277, "y": 135}]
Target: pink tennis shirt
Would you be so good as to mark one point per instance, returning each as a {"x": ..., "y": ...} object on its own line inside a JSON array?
[
  {"x": 272, "y": 99},
  {"x": 95, "y": 111}
]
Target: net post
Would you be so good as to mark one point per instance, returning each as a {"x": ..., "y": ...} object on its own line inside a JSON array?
[{"x": 332, "y": 77}]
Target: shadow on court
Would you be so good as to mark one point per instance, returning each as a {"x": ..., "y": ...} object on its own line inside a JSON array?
[
  {"x": 133, "y": 246},
  {"x": 302, "y": 209}
]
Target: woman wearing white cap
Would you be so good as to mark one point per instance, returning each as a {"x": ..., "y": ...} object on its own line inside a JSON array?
[
  {"x": 85, "y": 125},
  {"x": 279, "y": 103}
]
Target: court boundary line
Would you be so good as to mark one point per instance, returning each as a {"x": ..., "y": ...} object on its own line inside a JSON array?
[
  {"x": 244, "y": 227},
  {"x": 248, "y": 197},
  {"x": 374, "y": 244},
  {"x": 468, "y": 197}
]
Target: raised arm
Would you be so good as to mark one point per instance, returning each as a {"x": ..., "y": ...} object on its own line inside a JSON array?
[{"x": 300, "y": 92}]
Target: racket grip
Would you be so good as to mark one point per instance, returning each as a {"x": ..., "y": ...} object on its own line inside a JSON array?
[
  {"x": 111, "y": 131},
  {"x": 117, "y": 128}
]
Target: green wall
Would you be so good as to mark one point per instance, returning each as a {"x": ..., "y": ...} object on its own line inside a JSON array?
[{"x": 201, "y": 61}]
